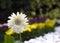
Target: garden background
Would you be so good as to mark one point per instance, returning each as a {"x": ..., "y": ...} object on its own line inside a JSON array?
[{"x": 39, "y": 12}]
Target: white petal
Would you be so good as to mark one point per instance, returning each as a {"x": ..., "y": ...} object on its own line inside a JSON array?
[{"x": 17, "y": 13}]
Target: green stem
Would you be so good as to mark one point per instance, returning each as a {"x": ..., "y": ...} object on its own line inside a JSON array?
[{"x": 20, "y": 38}]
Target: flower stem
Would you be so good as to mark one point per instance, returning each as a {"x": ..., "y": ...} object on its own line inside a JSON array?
[{"x": 20, "y": 38}]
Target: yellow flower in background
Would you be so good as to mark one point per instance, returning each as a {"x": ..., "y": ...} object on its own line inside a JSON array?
[
  {"x": 49, "y": 23},
  {"x": 41, "y": 25},
  {"x": 28, "y": 28},
  {"x": 9, "y": 32},
  {"x": 34, "y": 26}
]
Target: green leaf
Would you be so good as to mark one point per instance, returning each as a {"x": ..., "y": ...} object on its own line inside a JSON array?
[{"x": 8, "y": 39}]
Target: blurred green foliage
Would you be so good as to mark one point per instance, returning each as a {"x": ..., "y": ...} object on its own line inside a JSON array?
[
  {"x": 30, "y": 5},
  {"x": 32, "y": 8},
  {"x": 33, "y": 34},
  {"x": 54, "y": 14},
  {"x": 5, "y": 4},
  {"x": 8, "y": 39}
]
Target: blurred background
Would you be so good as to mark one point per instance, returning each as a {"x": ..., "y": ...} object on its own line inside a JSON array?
[
  {"x": 32, "y": 8},
  {"x": 38, "y": 12}
]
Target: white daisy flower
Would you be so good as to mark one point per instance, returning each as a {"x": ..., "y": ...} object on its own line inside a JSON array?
[{"x": 17, "y": 22}]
